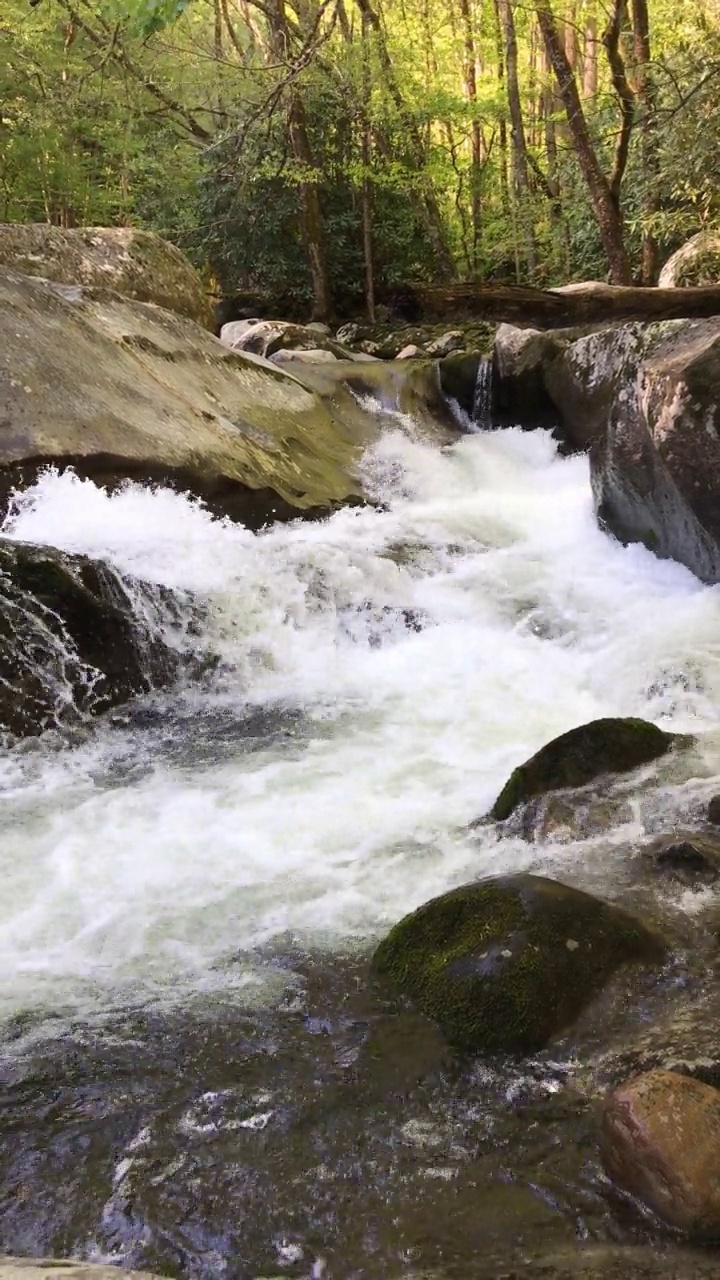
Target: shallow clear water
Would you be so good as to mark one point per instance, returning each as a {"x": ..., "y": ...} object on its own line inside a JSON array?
[{"x": 189, "y": 891}]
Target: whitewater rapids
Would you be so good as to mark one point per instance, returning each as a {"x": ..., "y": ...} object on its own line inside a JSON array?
[{"x": 381, "y": 673}]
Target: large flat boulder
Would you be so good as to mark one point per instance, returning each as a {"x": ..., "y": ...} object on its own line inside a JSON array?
[
  {"x": 135, "y": 263},
  {"x": 120, "y": 389}
]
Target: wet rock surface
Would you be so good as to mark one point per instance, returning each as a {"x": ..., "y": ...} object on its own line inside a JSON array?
[
  {"x": 506, "y": 964},
  {"x": 661, "y": 1143},
  {"x": 582, "y": 755},
  {"x": 271, "y": 1142}
]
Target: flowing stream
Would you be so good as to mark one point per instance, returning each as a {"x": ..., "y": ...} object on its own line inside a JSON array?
[{"x": 190, "y": 890}]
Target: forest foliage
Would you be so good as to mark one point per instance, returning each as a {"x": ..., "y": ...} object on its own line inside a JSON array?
[{"x": 321, "y": 153}]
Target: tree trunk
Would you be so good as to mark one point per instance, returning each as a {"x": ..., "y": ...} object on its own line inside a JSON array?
[
  {"x": 310, "y": 212},
  {"x": 367, "y": 217},
  {"x": 428, "y": 205},
  {"x": 647, "y": 96},
  {"x": 521, "y": 179},
  {"x": 590, "y": 58},
  {"x": 575, "y": 305},
  {"x": 470, "y": 83},
  {"x": 605, "y": 205},
  {"x": 311, "y": 221}
]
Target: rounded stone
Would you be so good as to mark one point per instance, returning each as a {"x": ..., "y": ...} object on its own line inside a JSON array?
[
  {"x": 506, "y": 964},
  {"x": 576, "y": 758},
  {"x": 661, "y": 1143}
]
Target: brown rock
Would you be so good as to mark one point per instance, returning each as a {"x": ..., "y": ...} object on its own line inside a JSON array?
[
  {"x": 713, "y": 813},
  {"x": 661, "y": 1143}
]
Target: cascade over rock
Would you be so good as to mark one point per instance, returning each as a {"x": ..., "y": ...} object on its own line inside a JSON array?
[
  {"x": 125, "y": 390},
  {"x": 73, "y": 640},
  {"x": 506, "y": 964},
  {"x": 644, "y": 399},
  {"x": 136, "y": 264}
]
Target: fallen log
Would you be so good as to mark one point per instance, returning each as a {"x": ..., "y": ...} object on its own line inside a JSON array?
[{"x": 568, "y": 307}]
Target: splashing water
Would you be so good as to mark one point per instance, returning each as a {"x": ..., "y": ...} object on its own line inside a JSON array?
[{"x": 381, "y": 673}]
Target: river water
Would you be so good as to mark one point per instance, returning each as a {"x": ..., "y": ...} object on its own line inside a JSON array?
[{"x": 193, "y": 1076}]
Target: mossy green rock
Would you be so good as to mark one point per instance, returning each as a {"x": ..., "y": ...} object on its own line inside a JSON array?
[
  {"x": 582, "y": 755},
  {"x": 505, "y": 964}
]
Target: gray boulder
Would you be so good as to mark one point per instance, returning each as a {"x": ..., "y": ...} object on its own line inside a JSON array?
[
  {"x": 656, "y": 467},
  {"x": 313, "y": 355},
  {"x": 270, "y": 336},
  {"x": 454, "y": 340},
  {"x": 231, "y": 332},
  {"x": 136, "y": 264},
  {"x": 697, "y": 262}
]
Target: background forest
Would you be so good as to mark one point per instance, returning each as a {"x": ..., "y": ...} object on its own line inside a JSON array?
[{"x": 322, "y": 152}]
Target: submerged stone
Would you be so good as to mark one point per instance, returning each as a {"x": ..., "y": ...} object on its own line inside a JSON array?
[
  {"x": 576, "y": 758},
  {"x": 506, "y": 964},
  {"x": 692, "y": 857}
]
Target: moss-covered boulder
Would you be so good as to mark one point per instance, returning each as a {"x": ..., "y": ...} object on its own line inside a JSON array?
[
  {"x": 136, "y": 264},
  {"x": 506, "y": 964},
  {"x": 576, "y": 758},
  {"x": 73, "y": 641},
  {"x": 697, "y": 262}
]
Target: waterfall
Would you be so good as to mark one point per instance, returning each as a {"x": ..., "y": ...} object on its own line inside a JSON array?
[{"x": 482, "y": 410}]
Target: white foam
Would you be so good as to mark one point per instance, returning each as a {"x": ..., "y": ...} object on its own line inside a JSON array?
[{"x": 120, "y": 883}]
